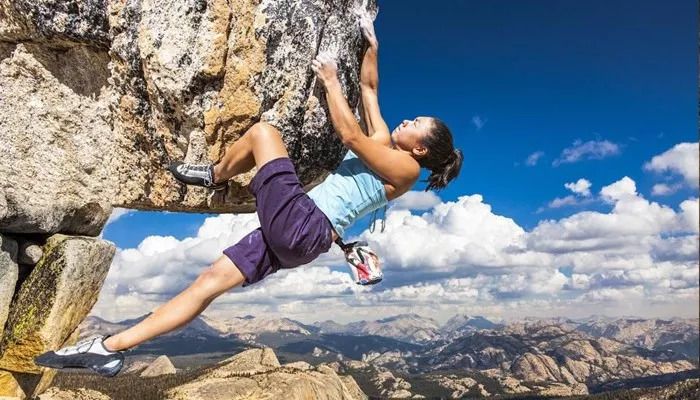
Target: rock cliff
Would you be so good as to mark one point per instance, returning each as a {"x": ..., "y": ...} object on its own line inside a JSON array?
[
  {"x": 257, "y": 374},
  {"x": 97, "y": 97}
]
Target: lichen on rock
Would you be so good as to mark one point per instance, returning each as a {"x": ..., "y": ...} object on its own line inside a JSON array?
[
  {"x": 9, "y": 272},
  {"x": 57, "y": 295}
]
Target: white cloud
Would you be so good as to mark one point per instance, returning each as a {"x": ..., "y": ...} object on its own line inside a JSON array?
[
  {"x": 625, "y": 187},
  {"x": 453, "y": 237},
  {"x": 689, "y": 215},
  {"x": 478, "y": 122},
  {"x": 638, "y": 258},
  {"x": 414, "y": 200},
  {"x": 562, "y": 201},
  {"x": 559, "y": 202},
  {"x": 117, "y": 213},
  {"x": 662, "y": 189},
  {"x": 681, "y": 159},
  {"x": 581, "y": 187},
  {"x": 533, "y": 158},
  {"x": 591, "y": 150},
  {"x": 612, "y": 294}
]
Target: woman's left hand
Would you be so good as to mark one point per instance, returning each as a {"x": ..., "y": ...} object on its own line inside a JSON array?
[{"x": 325, "y": 68}]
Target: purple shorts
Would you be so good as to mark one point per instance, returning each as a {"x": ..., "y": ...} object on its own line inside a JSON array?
[{"x": 293, "y": 231}]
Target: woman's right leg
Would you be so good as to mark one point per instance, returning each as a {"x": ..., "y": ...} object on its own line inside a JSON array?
[
  {"x": 221, "y": 276},
  {"x": 260, "y": 144}
]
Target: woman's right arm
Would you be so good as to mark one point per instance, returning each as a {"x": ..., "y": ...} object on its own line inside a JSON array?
[
  {"x": 399, "y": 170},
  {"x": 369, "y": 83}
]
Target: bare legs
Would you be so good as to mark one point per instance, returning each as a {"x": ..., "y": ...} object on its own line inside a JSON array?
[
  {"x": 256, "y": 147},
  {"x": 260, "y": 144},
  {"x": 183, "y": 308}
]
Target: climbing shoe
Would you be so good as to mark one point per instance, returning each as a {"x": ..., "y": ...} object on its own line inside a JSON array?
[
  {"x": 198, "y": 175},
  {"x": 89, "y": 353}
]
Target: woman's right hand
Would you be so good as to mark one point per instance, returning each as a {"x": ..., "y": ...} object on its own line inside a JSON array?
[
  {"x": 367, "y": 27},
  {"x": 325, "y": 68}
]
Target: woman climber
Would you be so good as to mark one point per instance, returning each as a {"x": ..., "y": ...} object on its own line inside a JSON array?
[{"x": 295, "y": 227}]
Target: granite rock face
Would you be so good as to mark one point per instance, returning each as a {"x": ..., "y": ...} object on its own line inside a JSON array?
[
  {"x": 29, "y": 385},
  {"x": 97, "y": 97},
  {"x": 57, "y": 295},
  {"x": 257, "y": 374},
  {"x": 79, "y": 394},
  {"x": 160, "y": 366},
  {"x": 56, "y": 22},
  {"x": 8, "y": 276},
  {"x": 55, "y": 141},
  {"x": 192, "y": 77}
]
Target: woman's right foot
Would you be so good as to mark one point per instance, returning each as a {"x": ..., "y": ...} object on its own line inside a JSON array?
[
  {"x": 90, "y": 353},
  {"x": 198, "y": 175}
]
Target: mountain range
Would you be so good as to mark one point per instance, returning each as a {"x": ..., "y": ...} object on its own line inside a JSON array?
[{"x": 466, "y": 355}]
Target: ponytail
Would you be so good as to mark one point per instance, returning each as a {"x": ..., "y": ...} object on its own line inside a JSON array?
[{"x": 442, "y": 160}]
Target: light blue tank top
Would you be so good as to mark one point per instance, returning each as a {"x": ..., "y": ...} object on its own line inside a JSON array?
[{"x": 348, "y": 193}]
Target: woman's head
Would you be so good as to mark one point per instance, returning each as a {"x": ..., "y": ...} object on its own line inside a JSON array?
[{"x": 430, "y": 142}]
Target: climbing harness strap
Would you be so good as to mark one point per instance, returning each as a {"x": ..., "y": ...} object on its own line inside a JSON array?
[{"x": 374, "y": 220}]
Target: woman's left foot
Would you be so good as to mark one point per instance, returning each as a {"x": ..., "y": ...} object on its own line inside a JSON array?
[{"x": 198, "y": 175}]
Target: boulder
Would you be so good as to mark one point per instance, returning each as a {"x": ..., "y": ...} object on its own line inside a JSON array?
[
  {"x": 55, "y": 141},
  {"x": 136, "y": 366},
  {"x": 256, "y": 374},
  {"x": 99, "y": 96},
  {"x": 29, "y": 253},
  {"x": 160, "y": 366},
  {"x": 302, "y": 365},
  {"x": 30, "y": 385},
  {"x": 535, "y": 368},
  {"x": 9, "y": 272},
  {"x": 248, "y": 362},
  {"x": 353, "y": 388},
  {"x": 58, "y": 23},
  {"x": 57, "y": 295},
  {"x": 9, "y": 386},
  {"x": 192, "y": 77},
  {"x": 78, "y": 394}
]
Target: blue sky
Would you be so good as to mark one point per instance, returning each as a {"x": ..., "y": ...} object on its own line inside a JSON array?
[
  {"x": 541, "y": 74},
  {"x": 511, "y": 79}
]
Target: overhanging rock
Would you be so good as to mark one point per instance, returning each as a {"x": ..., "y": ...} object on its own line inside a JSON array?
[{"x": 90, "y": 118}]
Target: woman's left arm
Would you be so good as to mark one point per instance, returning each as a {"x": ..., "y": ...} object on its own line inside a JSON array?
[
  {"x": 398, "y": 169},
  {"x": 369, "y": 83}
]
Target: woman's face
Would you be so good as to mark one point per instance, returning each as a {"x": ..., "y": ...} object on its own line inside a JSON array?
[{"x": 410, "y": 134}]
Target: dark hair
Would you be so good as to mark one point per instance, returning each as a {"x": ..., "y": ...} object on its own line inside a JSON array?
[{"x": 442, "y": 160}]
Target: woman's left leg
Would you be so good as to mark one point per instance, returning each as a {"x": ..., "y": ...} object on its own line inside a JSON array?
[
  {"x": 260, "y": 144},
  {"x": 221, "y": 276}
]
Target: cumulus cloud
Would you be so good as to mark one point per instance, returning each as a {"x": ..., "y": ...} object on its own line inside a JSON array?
[
  {"x": 632, "y": 220},
  {"x": 117, "y": 213},
  {"x": 591, "y": 150},
  {"x": 640, "y": 257},
  {"x": 581, "y": 187},
  {"x": 662, "y": 189},
  {"x": 414, "y": 200},
  {"x": 558, "y": 202},
  {"x": 532, "y": 159},
  {"x": 682, "y": 159}
]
